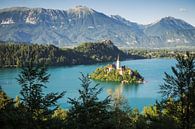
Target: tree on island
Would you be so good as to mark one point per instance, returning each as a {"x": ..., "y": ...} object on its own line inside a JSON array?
[
  {"x": 117, "y": 73},
  {"x": 129, "y": 76}
]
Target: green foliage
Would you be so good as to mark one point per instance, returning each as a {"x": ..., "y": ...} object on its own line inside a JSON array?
[
  {"x": 60, "y": 114},
  {"x": 176, "y": 111},
  {"x": 37, "y": 107},
  {"x": 129, "y": 76},
  {"x": 15, "y": 55},
  {"x": 10, "y": 116},
  {"x": 120, "y": 111},
  {"x": 87, "y": 111},
  {"x": 158, "y": 53},
  {"x": 157, "y": 116},
  {"x": 181, "y": 87},
  {"x": 13, "y": 115},
  {"x": 104, "y": 51},
  {"x": 32, "y": 80},
  {"x": 37, "y": 110},
  {"x": 138, "y": 120},
  {"x": 58, "y": 119},
  {"x": 4, "y": 100}
]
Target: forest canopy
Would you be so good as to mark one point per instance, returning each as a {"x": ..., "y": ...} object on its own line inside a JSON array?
[{"x": 17, "y": 55}]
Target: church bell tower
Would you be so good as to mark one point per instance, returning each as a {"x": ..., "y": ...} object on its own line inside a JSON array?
[{"x": 118, "y": 63}]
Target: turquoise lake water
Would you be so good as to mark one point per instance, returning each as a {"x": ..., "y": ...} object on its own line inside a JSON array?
[{"x": 66, "y": 79}]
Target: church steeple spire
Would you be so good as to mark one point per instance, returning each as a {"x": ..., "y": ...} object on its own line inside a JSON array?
[{"x": 118, "y": 63}]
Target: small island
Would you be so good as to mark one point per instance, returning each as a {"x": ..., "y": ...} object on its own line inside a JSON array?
[{"x": 117, "y": 73}]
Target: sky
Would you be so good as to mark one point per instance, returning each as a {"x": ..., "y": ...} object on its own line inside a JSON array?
[{"x": 140, "y": 11}]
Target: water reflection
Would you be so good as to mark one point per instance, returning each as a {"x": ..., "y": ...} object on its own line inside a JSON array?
[
  {"x": 126, "y": 90},
  {"x": 131, "y": 88},
  {"x": 117, "y": 92}
]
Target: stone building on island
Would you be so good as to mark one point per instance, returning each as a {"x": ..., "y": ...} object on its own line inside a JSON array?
[
  {"x": 117, "y": 66},
  {"x": 116, "y": 72}
]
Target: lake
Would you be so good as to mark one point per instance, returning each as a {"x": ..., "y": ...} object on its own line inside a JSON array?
[{"x": 66, "y": 79}]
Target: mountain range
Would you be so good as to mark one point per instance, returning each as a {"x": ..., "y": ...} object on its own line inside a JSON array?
[{"x": 83, "y": 24}]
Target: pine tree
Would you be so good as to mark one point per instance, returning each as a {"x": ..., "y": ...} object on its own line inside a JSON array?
[
  {"x": 37, "y": 104},
  {"x": 181, "y": 88},
  {"x": 9, "y": 114},
  {"x": 87, "y": 111}
]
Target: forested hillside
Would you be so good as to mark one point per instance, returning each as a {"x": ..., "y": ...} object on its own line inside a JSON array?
[{"x": 17, "y": 55}]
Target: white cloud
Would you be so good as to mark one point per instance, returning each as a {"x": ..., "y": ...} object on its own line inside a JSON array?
[{"x": 182, "y": 9}]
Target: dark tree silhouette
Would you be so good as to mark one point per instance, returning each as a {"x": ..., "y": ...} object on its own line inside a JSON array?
[
  {"x": 87, "y": 111},
  {"x": 181, "y": 88},
  {"x": 37, "y": 104}
]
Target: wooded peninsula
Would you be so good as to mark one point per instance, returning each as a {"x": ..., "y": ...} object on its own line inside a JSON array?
[{"x": 17, "y": 55}]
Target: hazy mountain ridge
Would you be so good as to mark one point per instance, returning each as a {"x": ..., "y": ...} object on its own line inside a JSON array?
[{"x": 82, "y": 24}]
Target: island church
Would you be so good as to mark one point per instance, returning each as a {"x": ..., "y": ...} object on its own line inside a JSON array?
[
  {"x": 116, "y": 66},
  {"x": 116, "y": 72}
]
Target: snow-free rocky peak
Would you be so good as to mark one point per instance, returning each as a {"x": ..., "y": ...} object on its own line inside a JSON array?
[
  {"x": 83, "y": 24},
  {"x": 81, "y": 10}
]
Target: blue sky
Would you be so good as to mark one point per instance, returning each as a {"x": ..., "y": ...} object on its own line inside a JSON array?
[{"x": 140, "y": 11}]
